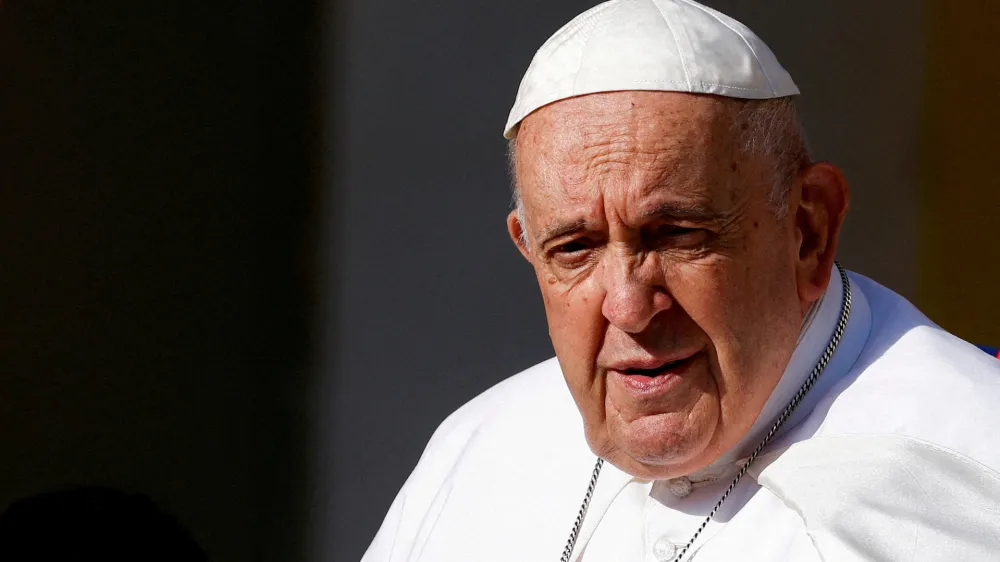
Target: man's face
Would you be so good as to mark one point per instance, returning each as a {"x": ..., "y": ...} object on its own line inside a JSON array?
[{"x": 668, "y": 280}]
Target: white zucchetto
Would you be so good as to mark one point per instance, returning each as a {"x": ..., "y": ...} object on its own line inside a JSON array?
[{"x": 665, "y": 45}]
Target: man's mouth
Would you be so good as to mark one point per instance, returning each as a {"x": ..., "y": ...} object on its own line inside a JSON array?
[
  {"x": 646, "y": 381},
  {"x": 658, "y": 370}
]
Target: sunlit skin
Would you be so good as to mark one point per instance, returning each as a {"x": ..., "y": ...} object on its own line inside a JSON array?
[{"x": 655, "y": 246}]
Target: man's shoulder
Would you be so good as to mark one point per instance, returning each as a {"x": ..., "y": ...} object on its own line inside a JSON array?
[
  {"x": 508, "y": 446},
  {"x": 528, "y": 411},
  {"x": 887, "y": 497},
  {"x": 538, "y": 391},
  {"x": 899, "y": 457},
  {"x": 915, "y": 379}
]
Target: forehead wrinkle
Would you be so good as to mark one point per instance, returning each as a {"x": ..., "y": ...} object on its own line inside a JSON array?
[
  {"x": 627, "y": 165},
  {"x": 698, "y": 166},
  {"x": 630, "y": 144},
  {"x": 545, "y": 173}
]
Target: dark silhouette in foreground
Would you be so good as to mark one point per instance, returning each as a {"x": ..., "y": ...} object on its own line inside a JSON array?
[{"x": 93, "y": 523}]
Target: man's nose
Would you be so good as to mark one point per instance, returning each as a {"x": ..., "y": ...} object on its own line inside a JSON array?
[{"x": 634, "y": 293}]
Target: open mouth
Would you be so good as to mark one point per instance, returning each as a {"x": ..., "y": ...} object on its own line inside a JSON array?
[
  {"x": 659, "y": 370},
  {"x": 647, "y": 382}
]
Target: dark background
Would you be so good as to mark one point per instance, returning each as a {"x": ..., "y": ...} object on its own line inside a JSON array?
[
  {"x": 157, "y": 197},
  {"x": 254, "y": 252}
]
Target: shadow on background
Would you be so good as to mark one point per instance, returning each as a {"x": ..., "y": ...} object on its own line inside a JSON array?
[{"x": 93, "y": 523}]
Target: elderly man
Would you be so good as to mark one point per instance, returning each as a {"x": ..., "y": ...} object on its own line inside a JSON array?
[{"x": 722, "y": 389}]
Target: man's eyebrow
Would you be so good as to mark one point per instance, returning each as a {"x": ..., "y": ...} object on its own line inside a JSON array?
[
  {"x": 561, "y": 229},
  {"x": 696, "y": 212}
]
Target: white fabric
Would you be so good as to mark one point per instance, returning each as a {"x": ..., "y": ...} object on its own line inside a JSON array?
[
  {"x": 668, "y": 45},
  {"x": 892, "y": 456},
  {"x": 932, "y": 503}
]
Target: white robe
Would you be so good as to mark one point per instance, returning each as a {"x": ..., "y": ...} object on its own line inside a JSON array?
[{"x": 893, "y": 455}]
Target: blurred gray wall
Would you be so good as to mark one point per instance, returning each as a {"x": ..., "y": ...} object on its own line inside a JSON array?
[{"x": 429, "y": 303}]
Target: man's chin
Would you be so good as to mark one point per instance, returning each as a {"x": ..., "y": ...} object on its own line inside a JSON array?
[
  {"x": 652, "y": 449},
  {"x": 647, "y": 470}
]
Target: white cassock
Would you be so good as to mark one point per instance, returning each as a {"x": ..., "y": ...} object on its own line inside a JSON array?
[{"x": 893, "y": 456}]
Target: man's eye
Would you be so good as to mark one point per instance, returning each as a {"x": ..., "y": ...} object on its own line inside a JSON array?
[
  {"x": 571, "y": 254},
  {"x": 675, "y": 230},
  {"x": 571, "y": 247},
  {"x": 679, "y": 235}
]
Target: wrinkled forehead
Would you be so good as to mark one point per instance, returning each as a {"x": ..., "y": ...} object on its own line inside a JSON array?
[{"x": 642, "y": 137}]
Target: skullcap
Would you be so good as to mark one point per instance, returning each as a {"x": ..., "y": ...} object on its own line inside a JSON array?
[{"x": 660, "y": 45}]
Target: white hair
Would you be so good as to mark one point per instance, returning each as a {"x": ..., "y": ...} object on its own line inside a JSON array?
[
  {"x": 769, "y": 128},
  {"x": 772, "y": 129}
]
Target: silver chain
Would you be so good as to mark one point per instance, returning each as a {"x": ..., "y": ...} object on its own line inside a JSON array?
[
  {"x": 573, "y": 534},
  {"x": 845, "y": 313}
]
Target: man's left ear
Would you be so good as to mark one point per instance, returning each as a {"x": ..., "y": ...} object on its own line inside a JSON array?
[
  {"x": 517, "y": 235},
  {"x": 823, "y": 202}
]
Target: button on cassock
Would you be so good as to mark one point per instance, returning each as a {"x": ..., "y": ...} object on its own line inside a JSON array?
[{"x": 664, "y": 550}]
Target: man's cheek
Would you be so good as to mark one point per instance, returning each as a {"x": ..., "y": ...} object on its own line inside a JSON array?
[{"x": 567, "y": 314}]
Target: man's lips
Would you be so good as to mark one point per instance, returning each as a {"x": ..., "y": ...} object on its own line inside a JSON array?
[
  {"x": 648, "y": 377},
  {"x": 650, "y": 366}
]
